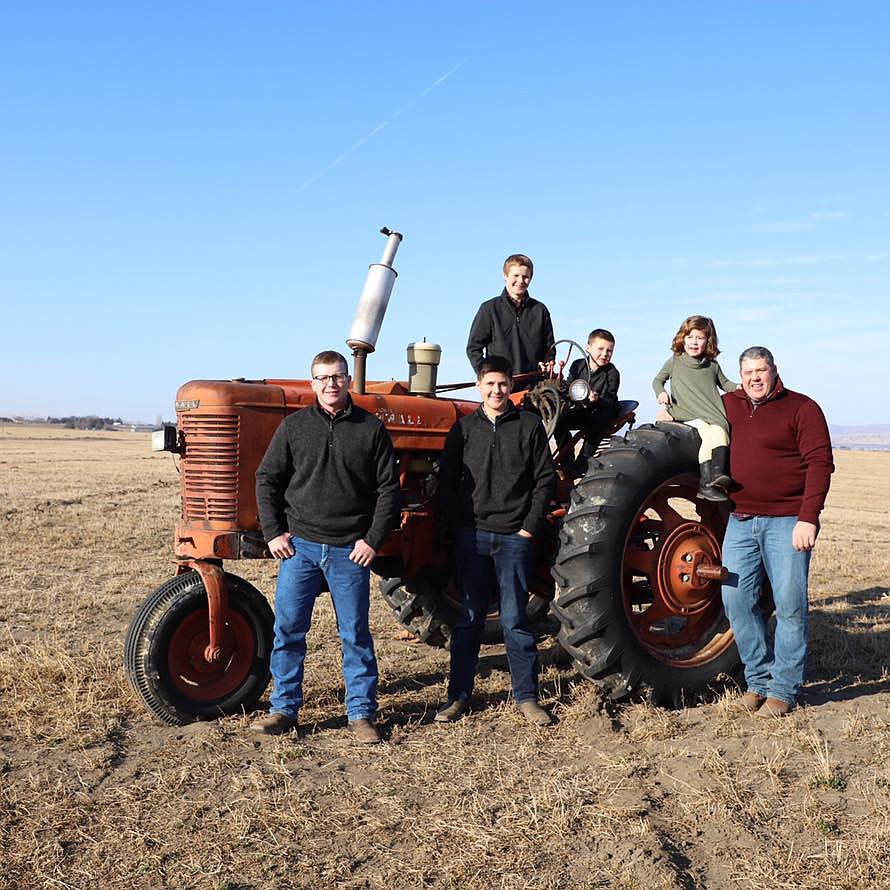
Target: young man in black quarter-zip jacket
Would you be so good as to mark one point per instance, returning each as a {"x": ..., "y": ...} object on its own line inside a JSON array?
[
  {"x": 495, "y": 482},
  {"x": 514, "y": 325},
  {"x": 328, "y": 495}
]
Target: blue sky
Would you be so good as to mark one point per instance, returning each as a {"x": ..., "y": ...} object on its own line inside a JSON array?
[{"x": 194, "y": 190}]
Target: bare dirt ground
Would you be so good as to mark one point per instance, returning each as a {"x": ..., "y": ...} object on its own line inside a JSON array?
[{"x": 94, "y": 793}]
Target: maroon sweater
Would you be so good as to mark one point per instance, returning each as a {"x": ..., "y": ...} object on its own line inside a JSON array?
[{"x": 780, "y": 455}]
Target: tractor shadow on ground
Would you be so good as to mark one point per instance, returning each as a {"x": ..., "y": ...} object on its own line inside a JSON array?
[{"x": 849, "y": 651}]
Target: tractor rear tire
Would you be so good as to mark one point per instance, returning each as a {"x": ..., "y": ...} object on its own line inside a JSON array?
[
  {"x": 634, "y": 616},
  {"x": 429, "y": 611},
  {"x": 164, "y": 651},
  {"x": 419, "y": 607}
]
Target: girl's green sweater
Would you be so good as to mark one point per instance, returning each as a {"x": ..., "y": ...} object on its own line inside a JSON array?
[{"x": 694, "y": 384}]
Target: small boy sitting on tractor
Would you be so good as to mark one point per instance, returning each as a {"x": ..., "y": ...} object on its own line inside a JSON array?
[{"x": 604, "y": 380}]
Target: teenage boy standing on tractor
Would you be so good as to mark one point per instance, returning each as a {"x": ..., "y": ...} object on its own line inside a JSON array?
[
  {"x": 513, "y": 325},
  {"x": 495, "y": 482}
]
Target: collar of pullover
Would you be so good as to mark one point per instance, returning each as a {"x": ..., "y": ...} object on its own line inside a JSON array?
[
  {"x": 691, "y": 362},
  {"x": 777, "y": 391},
  {"x": 333, "y": 418},
  {"x": 509, "y": 411},
  {"x": 516, "y": 307}
]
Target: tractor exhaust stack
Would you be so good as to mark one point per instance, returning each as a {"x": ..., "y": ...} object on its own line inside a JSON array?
[{"x": 372, "y": 305}]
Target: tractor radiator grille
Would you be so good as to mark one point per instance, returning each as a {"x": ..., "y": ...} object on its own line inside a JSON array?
[{"x": 210, "y": 467}]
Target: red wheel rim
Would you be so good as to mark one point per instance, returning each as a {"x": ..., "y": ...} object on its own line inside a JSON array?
[
  {"x": 675, "y": 615},
  {"x": 199, "y": 679}
]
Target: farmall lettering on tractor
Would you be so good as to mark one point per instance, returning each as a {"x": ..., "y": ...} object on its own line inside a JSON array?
[{"x": 629, "y": 572}]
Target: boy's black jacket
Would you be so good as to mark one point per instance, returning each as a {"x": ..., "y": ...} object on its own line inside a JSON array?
[
  {"x": 329, "y": 480},
  {"x": 604, "y": 380},
  {"x": 524, "y": 334},
  {"x": 498, "y": 476}
]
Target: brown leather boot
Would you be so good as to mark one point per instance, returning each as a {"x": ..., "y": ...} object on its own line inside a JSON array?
[
  {"x": 365, "y": 732},
  {"x": 751, "y": 702},
  {"x": 534, "y": 713},
  {"x": 775, "y": 707},
  {"x": 274, "y": 724},
  {"x": 452, "y": 710}
]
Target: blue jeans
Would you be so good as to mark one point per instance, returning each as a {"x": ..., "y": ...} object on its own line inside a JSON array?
[
  {"x": 299, "y": 584},
  {"x": 508, "y": 557},
  {"x": 751, "y": 548}
]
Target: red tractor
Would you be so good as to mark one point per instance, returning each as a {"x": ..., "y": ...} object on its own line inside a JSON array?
[{"x": 630, "y": 570}]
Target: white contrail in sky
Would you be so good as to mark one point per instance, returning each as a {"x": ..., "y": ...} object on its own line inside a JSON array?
[{"x": 379, "y": 127}]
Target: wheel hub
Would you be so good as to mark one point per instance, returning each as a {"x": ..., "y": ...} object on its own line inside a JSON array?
[
  {"x": 671, "y": 564},
  {"x": 688, "y": 547},
  {"x": 190, "y": 669}
]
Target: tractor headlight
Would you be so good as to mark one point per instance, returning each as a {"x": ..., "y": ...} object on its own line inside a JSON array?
[
  {"x": 166, "y": 439},
  {"x": 579, "y": 390}
]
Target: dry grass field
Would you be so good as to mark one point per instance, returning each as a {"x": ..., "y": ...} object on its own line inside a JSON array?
[{"x": 94, "y": 793}]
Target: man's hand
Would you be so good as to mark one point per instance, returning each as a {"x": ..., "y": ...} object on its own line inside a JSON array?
[
  {"x": 803, "y": 537},
  {"x": 594, "y": 396},
  {"x": 281, "y": 547},
  {"x": 362, "y": 553},
  {"x": 545, "y": 367},
  {"x": 524, "y": 534},
  {"x": 663, "y": 399}
]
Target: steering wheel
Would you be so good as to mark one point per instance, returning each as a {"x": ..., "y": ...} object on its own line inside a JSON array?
[
  {"x": 548, "y": 395},
  {"x": 573, "y": 344}
]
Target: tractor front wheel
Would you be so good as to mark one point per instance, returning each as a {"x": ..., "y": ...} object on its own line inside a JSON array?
[{"x": 164, "y": 653}]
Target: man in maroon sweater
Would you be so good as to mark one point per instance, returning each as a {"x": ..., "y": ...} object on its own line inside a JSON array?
[{"x": 781, "y": 464}]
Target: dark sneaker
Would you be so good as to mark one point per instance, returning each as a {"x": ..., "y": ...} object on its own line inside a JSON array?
[
  {"x": 274, "y": 724},
  {"x": 751, "y": 701},
  {"x": 774, "y": 707},
  {"x": 452, "y": 710},
  {"x": 364, "y": 731},
  {"x": 534, "y": 713}
]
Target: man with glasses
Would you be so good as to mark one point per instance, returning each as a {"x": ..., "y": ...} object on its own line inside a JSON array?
[{"x": 328, "y": 495}]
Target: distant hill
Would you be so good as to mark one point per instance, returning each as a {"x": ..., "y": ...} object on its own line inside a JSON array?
[{"x": 868, "y": 437}]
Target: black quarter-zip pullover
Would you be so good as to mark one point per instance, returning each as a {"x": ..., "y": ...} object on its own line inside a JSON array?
[
  {"x": 329, "y": 479},
  {"x": 522, "y": 334},
  {"x": 497, "y": 476}
]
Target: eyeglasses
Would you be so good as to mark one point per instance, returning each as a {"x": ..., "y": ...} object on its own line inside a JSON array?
[{"x": 325, "y": 379}]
